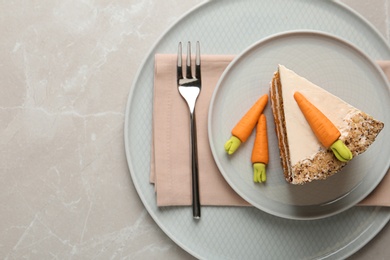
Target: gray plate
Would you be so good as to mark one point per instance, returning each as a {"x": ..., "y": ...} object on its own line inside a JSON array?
[
  {"x": 229, "y": 27},
  {"x": 333, "y": 64}
]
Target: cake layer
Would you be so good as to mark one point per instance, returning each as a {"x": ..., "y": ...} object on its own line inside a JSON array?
[{"x": 280, "y": 125}]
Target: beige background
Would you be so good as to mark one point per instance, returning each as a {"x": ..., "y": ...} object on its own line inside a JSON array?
[{"x": 65, "y": 72}]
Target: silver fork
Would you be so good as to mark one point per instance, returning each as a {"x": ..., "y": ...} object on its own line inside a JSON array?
[{"x": 189, "y": 88}]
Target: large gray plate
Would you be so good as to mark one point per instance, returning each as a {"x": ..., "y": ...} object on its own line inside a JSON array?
[{"x": 229, "y": 27}]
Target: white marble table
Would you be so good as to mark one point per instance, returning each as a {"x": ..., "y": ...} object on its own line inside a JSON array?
[{"x": 65, "y": 72}]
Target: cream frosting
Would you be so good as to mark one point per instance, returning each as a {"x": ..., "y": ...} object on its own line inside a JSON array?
[{"x": 302, "y": 142}]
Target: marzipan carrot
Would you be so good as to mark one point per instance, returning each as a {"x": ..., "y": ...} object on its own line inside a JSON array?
[
  {"x": 245, "y": 126},
  {"x": 260, "y": 151},
  {"x": 260, "y": 147},
  {"x": 326, "y": 132}
]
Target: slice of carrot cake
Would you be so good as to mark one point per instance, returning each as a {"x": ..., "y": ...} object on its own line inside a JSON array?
[{"x": 310, "y": 148}]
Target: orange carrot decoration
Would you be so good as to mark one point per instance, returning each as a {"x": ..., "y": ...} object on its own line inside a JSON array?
[
  {"x": 260, "y": 151},
  {"x": 245, "y": 126},
  {"x": 260, "y": 147},
  {"x": 323, "y": 128}
]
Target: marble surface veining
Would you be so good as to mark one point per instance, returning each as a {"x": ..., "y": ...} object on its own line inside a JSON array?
[{"x": 65, "y": 72}]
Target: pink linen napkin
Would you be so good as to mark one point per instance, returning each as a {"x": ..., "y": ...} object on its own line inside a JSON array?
[{"x": 170, "y": 160}]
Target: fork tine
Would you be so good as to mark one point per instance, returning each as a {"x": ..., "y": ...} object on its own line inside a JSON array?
[
  {"x": 179, "y": 63},
  {"x": 197, "y": 61},
  {"x": 188, "y": 67}
]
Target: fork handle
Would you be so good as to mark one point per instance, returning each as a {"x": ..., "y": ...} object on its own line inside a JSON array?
[{"x": 195, "y": 169}]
